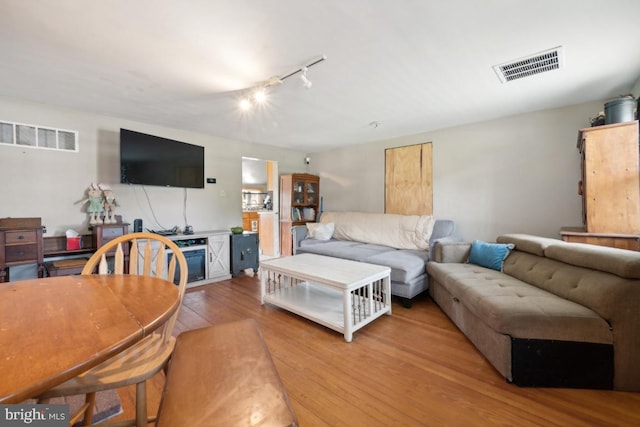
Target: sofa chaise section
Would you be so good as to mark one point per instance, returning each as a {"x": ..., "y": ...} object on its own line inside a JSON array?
[{"x": 558, "y": 314}]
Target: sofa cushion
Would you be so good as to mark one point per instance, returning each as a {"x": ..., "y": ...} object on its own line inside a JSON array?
[
  {"x": 524, "y": 242},
  {"x": 607, "y": 294},
  {"x": 406, "y": 264},
  {"x": 623, "y": 263},
  {"x": 397, "y": 231},
  {"x": 354, "y": 251},
  {"x": 320, "y": 231},
  {"x": 489, "y": 255},
  {"x": 512, "y": 307}
]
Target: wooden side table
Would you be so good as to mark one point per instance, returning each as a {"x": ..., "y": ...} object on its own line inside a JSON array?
[
  {"x": 103, "y": 233},
  {"x": 23, "y": 245}
]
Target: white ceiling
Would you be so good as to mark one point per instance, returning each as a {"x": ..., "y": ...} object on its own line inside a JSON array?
[{"x": 411, "y": 65}]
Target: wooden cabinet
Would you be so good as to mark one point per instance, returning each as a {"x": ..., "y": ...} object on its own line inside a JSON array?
[
  {"x": 22, "y": 245},
  {"x": 250, "y": 221},
  {"x": 299, "y": 203},
  {"x": 609, "y": 186},
  {"x": 103, "y": 233}
]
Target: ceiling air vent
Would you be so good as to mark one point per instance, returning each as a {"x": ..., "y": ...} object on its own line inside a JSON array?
[{"x": 534, "y": 64}]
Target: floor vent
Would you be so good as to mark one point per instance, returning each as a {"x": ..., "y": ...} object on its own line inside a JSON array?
[{"x": 535, "y": 64}]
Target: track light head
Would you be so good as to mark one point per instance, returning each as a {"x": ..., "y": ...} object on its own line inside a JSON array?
[
  {"x": 305, "y": 81},
  {"x": 274, "y": 81}
]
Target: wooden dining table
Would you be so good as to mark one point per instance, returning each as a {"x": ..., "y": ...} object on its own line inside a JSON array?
[{"x": 54, "y": 328}]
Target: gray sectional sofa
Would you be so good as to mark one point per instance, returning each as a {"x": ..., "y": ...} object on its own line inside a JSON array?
[
  {"x": 401, "y": 242},
  {"x": 557, "y": 315}
]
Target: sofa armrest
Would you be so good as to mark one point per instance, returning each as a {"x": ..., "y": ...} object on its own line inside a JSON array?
[
  {"x": 444, "y": 230},
  {"x": 298, "y": 234},
  {"x": 448, "y": 239},
  {"x": 446, "y": 252}
]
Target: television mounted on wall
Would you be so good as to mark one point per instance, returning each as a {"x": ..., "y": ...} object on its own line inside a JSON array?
[{"x": 153, "y": 160}]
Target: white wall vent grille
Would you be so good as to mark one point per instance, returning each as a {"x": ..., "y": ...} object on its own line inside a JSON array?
[
  {"x": 542, "y": 62},
  {"x": 23, "y": 135}
]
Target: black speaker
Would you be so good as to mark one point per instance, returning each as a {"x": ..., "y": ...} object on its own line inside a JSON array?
[{"x": 137, "y": 225}]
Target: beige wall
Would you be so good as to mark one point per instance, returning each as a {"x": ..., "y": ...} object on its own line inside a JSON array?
[
  {"x": 516, "y": 174},
  {"x": 49, "y": 184}
]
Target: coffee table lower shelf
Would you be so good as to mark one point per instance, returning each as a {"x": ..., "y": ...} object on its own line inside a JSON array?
[{"x": 327, "y": 306}]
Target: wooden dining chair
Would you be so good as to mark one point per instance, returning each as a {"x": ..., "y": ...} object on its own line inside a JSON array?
[{"x": 147, "y": 256}]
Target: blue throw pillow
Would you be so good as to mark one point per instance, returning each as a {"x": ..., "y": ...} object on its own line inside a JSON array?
[{"x": 490, "y": 255}]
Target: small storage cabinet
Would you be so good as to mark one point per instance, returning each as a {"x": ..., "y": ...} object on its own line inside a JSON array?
[
  {"x": 244, "y": 252},
  {"x": 103, "y": 233},
  {"x": 218, "y": 253},
  {"x": 21, "y": 245}
]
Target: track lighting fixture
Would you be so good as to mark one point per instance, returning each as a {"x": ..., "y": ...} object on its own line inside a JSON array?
[
  {"x": 258, "y": 95},
  {"x": 305, "y": 81}
]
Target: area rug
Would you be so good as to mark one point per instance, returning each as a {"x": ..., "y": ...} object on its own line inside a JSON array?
[{"x": 107, "y": 405}]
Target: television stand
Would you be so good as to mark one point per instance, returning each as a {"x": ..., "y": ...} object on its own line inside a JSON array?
[{"x": 217, "y": 254}]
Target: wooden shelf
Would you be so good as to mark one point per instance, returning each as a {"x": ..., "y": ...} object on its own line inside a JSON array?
[
  {"x": 612, "y": 240},
  {"x": 57, "y": 246}
]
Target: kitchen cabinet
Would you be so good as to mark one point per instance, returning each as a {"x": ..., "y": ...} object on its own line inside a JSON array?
[{"x": 250, "y": 221}]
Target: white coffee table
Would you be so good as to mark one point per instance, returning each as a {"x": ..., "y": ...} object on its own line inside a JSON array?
[{"x": 340, "y": 294}]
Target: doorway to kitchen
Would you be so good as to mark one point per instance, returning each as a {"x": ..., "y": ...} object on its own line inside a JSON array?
[{"x": 260, "y": 202}]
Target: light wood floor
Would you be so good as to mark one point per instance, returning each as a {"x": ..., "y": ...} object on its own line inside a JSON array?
[{"x": 413, "y": 368}]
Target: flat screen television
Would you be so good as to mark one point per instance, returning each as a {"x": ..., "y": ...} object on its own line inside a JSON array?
[{"x": 152, "y": 160}]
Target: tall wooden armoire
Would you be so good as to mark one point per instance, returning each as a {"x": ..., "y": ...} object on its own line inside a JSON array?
[{"x": 610, "y": 186}]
